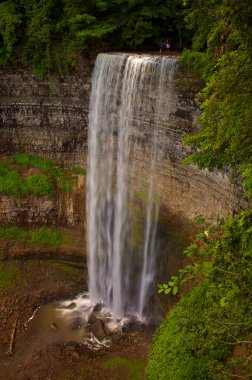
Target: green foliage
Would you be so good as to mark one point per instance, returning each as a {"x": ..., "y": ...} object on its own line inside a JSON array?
[
  {"x": 53, "y": 32},
  {"x": 9, "y": 276},
  {"x": 46, "y": 236},
  {"x": 135, "y": 368},
  {"x": 11, "y": 182},
  {"x": 222, "y": 55},
  {"x": 144, "y": 196},
  {"x": 247, "y": 179},
  {"x": 28, "y": 161},
  {"x": 9, "y": 21},
  {"x": 40, "y": 18},
  {"x": 38, "y": 184},
  {"x": 172, "y": 285},
  {"x": 43, "y": 236},
  {"x": 78, "y": 170},
  {"x": 13, "y": 233},
  {"x": 199, "y": 334}
]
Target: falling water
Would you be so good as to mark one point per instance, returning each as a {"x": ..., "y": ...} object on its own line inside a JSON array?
[{"x": 123, "y": 87}]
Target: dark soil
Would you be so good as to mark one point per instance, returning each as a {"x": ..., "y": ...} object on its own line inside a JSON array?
[
  {"x": 71, "y": 361},
  {"x": 34, "y": 282}
]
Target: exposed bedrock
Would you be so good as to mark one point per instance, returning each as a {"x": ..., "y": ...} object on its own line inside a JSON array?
[
  {"x": 49, "y": 118},
  {"x": 45, "y": 117},
  {"x": 61, "y": 210}
]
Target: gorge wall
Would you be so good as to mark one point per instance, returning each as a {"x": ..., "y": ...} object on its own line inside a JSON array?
[{"x": 49, "y": 118}]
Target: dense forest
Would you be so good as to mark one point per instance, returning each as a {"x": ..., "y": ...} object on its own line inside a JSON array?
[
  {"x": 208, "y": 334},
  {"x": 43, "y": 33}
]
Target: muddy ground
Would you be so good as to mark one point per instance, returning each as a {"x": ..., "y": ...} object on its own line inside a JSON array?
[
  {"x": 26, "y": 284},
  {"x": 28, "y": 281}
]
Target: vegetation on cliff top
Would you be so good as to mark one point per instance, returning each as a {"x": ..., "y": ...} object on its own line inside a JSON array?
[
  {"x": 222, "y": 55},
  {"x": 50, "y": 33}
]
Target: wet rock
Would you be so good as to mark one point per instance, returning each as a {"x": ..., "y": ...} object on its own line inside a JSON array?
[
  {"x": 75, "y": 355},
  {"x": 117, "y": 335},
  {"x": 54, "y": 326},
  {"x": 72, "y": 349},
  {"x": 76, "y": 323},
  {"x": 92, "y": 319},
  {"x": 98, "y": 329},
  {"x": 97, "y": 308},
  {"x": 71, "y": 306}
]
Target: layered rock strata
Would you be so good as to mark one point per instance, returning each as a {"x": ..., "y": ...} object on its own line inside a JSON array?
[{"x": 49, "y": 118}]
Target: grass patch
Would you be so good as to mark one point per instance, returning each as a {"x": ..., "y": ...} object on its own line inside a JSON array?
[
  {"x": 135, "y": 368},
  {"x": 39, "y": 185},
  {"x": 78, "y": 170},
  {"x": 51, "y": 175},
  {"x": 9, "y": 277},
  {"x": 43, "y": 236}
]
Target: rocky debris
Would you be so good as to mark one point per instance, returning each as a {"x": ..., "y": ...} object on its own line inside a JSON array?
[
  {"x": 97, "y": 308},
  {"x": 54, "y": 326},
  {"x": 41, "y": 284},
  {"x": 77, "y": 323},
  {"x": 97, "y": 327},
  {"x": 72, "y": 349},
  {"x": 71, "y": 306}
]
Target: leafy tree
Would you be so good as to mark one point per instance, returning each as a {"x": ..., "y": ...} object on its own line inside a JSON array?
[
  {"x": 55, "y": 31},
  {"x": 197, "y": 339},
  {"x": 9, "y": 21},
  {"x": 222, "y": 55},
  {"x": 40, "y": 18}
]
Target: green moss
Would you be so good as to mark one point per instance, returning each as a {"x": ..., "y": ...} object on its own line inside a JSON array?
[
  {"x": 52, "y": 175},
  {"x": 72, "y": 265},
  {"x": 39, "y": 185},
  {"x": 182, "y": 83},
  {"x": 135, "y": 368},
  {"x": 13, "y": 233},
  {"x": 43, "y": 236},
  {"x": 66, "y": 266},
  {"x": 46, "y": 236},
  {"x": 9, "y": 277},
  {"x": 11, "y": 182},
  {"x": 78, "y": 170}
]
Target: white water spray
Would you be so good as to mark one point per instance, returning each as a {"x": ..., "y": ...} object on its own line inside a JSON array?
[{"x": 123, "y": 87}]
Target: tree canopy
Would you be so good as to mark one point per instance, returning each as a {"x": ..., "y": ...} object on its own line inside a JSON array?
[
  {"x": 47, "y": 30},
  {"x": 222, "y": 54}
]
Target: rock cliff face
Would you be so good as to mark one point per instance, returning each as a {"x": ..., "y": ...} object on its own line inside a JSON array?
[
  {"x": 185, "y": 190},
  {"x": 64, "y": 209},
  {"x": 49, "y": 118},
  {"x": 45, "y": 117}
]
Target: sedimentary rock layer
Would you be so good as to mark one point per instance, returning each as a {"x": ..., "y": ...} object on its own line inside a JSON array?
[{"x": 49, "y": 117}]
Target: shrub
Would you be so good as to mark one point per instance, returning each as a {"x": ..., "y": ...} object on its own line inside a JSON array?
[{"x": 199, "y": 334}]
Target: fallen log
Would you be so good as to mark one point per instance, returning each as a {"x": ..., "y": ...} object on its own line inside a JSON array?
[{"x": 12, "y": 339}]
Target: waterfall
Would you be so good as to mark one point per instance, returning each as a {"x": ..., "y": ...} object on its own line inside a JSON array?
[{"x": 123, "y": 87}]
